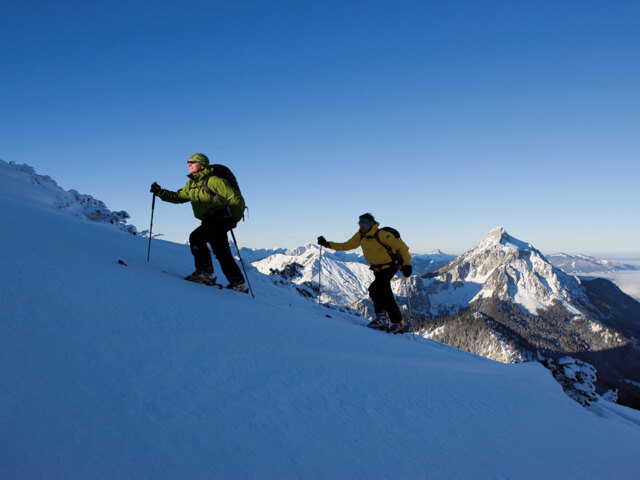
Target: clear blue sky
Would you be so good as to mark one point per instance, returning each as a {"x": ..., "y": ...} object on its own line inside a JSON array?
[{"x": 444, "y": 119}]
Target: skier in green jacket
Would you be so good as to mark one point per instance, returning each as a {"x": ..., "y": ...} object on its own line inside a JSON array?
[{"x": 219, "y": 206}]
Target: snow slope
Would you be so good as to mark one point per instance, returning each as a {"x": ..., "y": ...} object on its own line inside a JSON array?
[
  {"x": 23, "y": 181},
  {"x": 128, "y": 372}
]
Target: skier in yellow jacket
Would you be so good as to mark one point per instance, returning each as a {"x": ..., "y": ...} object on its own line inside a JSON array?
[{"x": 386, "y": 254}]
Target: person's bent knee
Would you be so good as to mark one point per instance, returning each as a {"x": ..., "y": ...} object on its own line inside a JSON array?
[{"x": 196, "y": 237}]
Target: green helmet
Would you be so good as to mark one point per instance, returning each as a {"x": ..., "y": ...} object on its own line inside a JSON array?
[{"x": 200, "y": 158}]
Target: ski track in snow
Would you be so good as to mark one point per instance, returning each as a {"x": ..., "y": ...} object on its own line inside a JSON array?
[{"x": 112, "y": 371}]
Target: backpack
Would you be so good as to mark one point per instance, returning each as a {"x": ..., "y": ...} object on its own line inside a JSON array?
[
  {"x": 396, "y": 257},
  {"x": 225, "y": 173}
]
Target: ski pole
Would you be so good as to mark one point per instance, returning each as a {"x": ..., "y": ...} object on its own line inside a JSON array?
[
  {"x": 153, "y": 206},
  {"x": 413, "y": 325},
  {"x": 242, "y": 263},
  {"x": 320, "y": 276}
]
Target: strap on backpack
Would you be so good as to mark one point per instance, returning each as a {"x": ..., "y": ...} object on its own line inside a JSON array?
[
  {"x": 205, "y": 186},
  {"x": 396, "y": 258}
]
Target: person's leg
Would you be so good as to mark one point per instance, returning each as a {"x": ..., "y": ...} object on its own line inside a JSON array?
[
  {"x": 375, "y": 293},
  {"x": 200, "y": 250},
  {"x": 384, "y": 300},
  {"x": 220, "y": 246}
]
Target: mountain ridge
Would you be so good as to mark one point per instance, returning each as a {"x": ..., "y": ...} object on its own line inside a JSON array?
[{"x": 67, "y": 202}]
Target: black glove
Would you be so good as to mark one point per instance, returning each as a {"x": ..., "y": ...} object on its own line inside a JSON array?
[
  {"x": 323, "y": 242},
  {"x": 155, "y": 188},
  {"x": 406, "y": 270}
]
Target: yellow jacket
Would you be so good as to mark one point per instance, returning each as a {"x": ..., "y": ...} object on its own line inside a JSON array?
[{"x": 374, "y": 253}]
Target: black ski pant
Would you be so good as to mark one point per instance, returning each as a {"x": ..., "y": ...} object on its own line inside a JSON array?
[
  {"x": 214, "y": 232},
  {"x": 382, "y": 296}
]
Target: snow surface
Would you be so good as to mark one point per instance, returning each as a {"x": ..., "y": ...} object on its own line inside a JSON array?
[
  {"x": 49, "y": 195},
  {"x": 128, "y": 372}
]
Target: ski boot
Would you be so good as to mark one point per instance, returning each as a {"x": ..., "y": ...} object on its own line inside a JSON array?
[
  {"x": 381, "y": 322},
  {"x": 201, "y": 277},
  {"x": 399, "y": 327},
  {"x": 238, "y": 287}
]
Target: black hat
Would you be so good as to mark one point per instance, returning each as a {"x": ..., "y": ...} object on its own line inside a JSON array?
[{"x": 367, "y": 218}]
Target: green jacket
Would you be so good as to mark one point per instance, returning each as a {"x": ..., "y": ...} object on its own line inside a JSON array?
[{"x": 208, "y": 205}]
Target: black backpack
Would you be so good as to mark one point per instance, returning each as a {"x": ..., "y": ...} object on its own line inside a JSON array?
[
  {"x": 396, "y": 257},
  {"x": 222, "y": 171}
]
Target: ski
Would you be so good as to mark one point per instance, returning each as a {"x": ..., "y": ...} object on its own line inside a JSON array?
[
  {"x": 237, "y": 289},
  {"x": 388, "y": 329},
  {"x": 382, "y": 328},
  {"x": 210, "y": 282}
]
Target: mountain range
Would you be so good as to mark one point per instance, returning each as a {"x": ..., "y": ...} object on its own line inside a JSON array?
[
  {"x": 341, "y": 278},
  {"x": 585, "y": 265}
]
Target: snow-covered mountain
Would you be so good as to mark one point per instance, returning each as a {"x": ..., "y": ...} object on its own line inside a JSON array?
[
  {"x": 504, "y": 300},
  {"x": 251, "y": 255},
  {"x": 49, "y": 195},
  {"x": 426, "y": 262},
  {"x": 626, "y": 276},
  {"x": 342, "y": 277},
  {"x": 502, "y": 267},
  {"x": 586, "y": 265}
]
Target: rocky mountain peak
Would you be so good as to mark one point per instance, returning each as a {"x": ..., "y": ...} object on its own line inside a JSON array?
[
  {"x": 308, "y": 249},
  {"x": 499, "y": 237},
  {"x": 496, "y": 235},
  {"x": 503, "y": 267}
]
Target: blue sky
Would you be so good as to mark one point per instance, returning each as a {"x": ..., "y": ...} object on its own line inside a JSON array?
[{"x": 444, "y": 119}]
